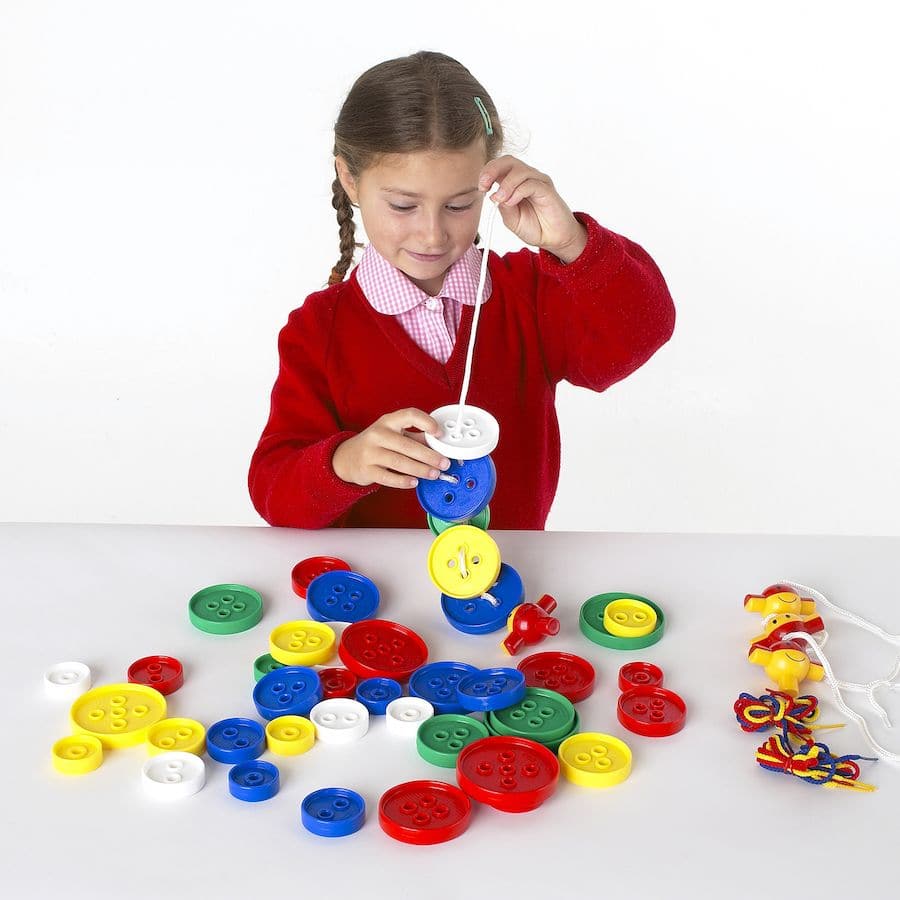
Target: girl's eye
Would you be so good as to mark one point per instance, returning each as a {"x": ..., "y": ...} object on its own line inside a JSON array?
[
  {"x": 408, "y": 208},
  {"x": 460, "y": 208},
  {"x": 401, "y": 208}
]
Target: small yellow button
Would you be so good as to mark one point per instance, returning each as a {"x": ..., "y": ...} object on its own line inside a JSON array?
[
  {"x": 77, "y": 754},
  {"x": 290, "y": 735},
  {"x": 594, "y": 760},
  {"x": 302, "y": 643},
  {"x": 629, "y": 618},
  {"x": 186, "y": 735},
  {"x": 464, "y": 562}
]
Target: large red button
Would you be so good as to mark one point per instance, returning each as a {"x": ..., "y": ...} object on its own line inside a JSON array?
[
  {"x": 509, "y": 773},
  {"x": 651, "y": 711},
  {"x": 565, "y": 673},
  {"x": 164, "y": 673},
  {"x": 639, "y": 674},
  {"x": 376, "y": 648},
  {"x": 424, "y": 812},
  {"x": 337, "y": 682},
  {"x": 308, "y": 569}
]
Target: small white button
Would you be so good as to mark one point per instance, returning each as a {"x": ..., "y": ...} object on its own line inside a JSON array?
[
  {"x": 339, "y": 720},
  {"x": 173, "y": 775},
  {"x": 472, "y": 436},
  {"x": 405, "y": 714},
  {"x": 67, "y": 680},
  {"x": 434, "y": 304}
]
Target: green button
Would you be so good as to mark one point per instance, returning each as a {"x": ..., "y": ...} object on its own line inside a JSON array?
[
  {"x": 590, "y": 621},
  {"x": 553, "y": 745},
  {"x": 264, "y": 664},
  {"x": 541, "y": 715},
  {"x": 225, "y": 609},
  {"x": 440, "y": 738},
  {"x": 439, "y": 526}
]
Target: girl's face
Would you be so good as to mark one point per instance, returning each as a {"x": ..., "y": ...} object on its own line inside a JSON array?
[{"x": 420, "y": 210}]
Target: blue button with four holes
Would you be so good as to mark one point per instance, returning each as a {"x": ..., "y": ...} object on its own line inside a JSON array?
[
  {"x": 288, "y": 691},
  {"x": 339, "y": 596},
  {"x": 464, "y": 497},
  {"x": 235, "y": 740},
  {"x": 494, "y": 688},
  {"x": 482, "y": 615},
  {"x": 333, "y": 812},
  {"x": 436, "y": 682},
  {"x": 253, "y": 781}
]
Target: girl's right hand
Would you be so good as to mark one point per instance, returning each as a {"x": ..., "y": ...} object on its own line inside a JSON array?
[{"x": 386, "y": 454}]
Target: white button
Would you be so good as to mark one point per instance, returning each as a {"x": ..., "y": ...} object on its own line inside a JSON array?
[
  {"x": 475, "y": 435},
  {"x": 67, "y": 680},
  {"x": 433, "y": 303},
  {"x": 405, "y": 714},
  {"x": 173, "y": 775},
  {"x": 339, "y": 720}
]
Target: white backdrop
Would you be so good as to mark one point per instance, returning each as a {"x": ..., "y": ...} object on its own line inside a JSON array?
[{"x": 165, "y": 177}]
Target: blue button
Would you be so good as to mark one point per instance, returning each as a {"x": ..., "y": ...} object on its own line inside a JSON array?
[
  {"x": 376, "y": 693},
  {"x": 342, "y": 597},
  {"x": 464, "y": 499},
  {"x": 235, "y": 740},
  {"x": 436, "y": 682},
  {"x": 494, "y": 688},
  {"x": 333, "y": 812},
  {"x": 253, "y": 781},
  {"x": 288, "y": 691},
  {"x": 481, "y": 616}
]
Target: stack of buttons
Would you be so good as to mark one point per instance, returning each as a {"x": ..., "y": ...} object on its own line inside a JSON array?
[{"x": 542, "y": 715}]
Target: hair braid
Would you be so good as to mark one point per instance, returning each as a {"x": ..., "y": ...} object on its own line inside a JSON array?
[{"x": 347, "y": 230}]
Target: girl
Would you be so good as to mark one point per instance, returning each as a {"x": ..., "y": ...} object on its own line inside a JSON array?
[{"x": 417, "y": 146}]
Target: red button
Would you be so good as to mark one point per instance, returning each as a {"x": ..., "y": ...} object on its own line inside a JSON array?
[
  {"x": 164, "y": 673},
  {"x": 509, "y": 773},
  {"x": 565, "y": 673},
  {"x": 651, "y": 711},
  {"x": 424, "y": 812},
  {"x": 639, "y": 674},
  {"x": 375, "y": 648},
  {"x": 337, "y": 682},
  {"x": 307, "y": 569}
]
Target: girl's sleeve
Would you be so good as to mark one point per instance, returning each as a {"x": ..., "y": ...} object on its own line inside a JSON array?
[
  {"x": 291, "y": 480},
  {"x": 604, "y": 314}
]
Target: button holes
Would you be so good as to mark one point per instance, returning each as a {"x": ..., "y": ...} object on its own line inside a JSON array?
[
  {"x": 484, "y": 768},
  {"x": 396, "y": 660},
  {"x": 530, "y": 770},
  {"x": 351, "y": 718},
  {"x": 599, "y": 750},
  {"x": 156, "y": 678},
  {"x": 536, "y": 723},
  {"x": 228, "y": 598},
  {"x": 552, "y": 683},
  {"x": 253, "y": 778},
  {"x": 469, "y": 608},
  {"x": 453, "y": 677},
  {"x": 370, "y": 638},
  {"x": 331, "y": 601},
  {"x": 286, "y": 698},
  {"x": 172, "y": 778},
  {"x": 640, "y": 708},
  {"x": 298, "y": 635},
  {"x": 545, "y": 712},
  {"x": 154, "y": 667},
  {"x": 397, "y": 643},
  {"x": 542, "y": 673},
  {"x": 408, "y": 807},
  {"x": 421, "y": 818},
  {"x": 569, "y": 678},
  {"x": 166, "y": 743},
  {"x": 441, "y": 811},
  {"x": 174, "y": 765},
  {"x": 341, "y": 803},
  {"x": 239, "y": 606},
  {"x": 441, "y": 735},
  {"x": 241, "y": 743},
  {"x": 506, "y": 755},
  {"x": 455, "y": 745},
  {"x": 517, "y": 714},
  {"x": 298, "y": 686},
  {"x": 640, "y": 678},
  {"x": 212, "y": 604},
  {"x": 295, "y": 645},
  {"x": 451, "y": 563},
  {"x": 449, "y": 497},
  {"x": 313, "y": 640},
  {"x": 476, "y": 560},
  {"x": 325, "y": 815},
  {"x": 444, "y": 692},
  {"x": 355, "y": 595},
  {"x": 290, "y": 733},
  {"x": 428, "y": 800},
  {"x": 409, "y": 715},
  {"x": 223, "y": 613},
  {"x": 603, "y": 763},
  {"x": 657, "y": 715},
  {"x": 620, "y": 617},
  {"x": 377, "y": 693},
  {"x": 468, "y": 422},
  {"x": 435, "y": 682},
  {"x": 473, "y": 433},
  {"x": 582, "y": 758},
  {"x": 229, "y": 732},
  {"x": 658, "y": 703},
  {"x": 339, "y": 589},
  {"x": 471, "y": 483},
  {"x": 76, "y": 752},
  {"x": 369, "y": 654},
  {"x": 507, "y": 770},
  {"x": 118, "y": 724},
  {"x": 117, "y": 711},
  {"x": 118, "y": 700},
  {"x": 327, "y": 718},
  {"x": 279, "y": 688},
  {"x": 508, "y": 782}
]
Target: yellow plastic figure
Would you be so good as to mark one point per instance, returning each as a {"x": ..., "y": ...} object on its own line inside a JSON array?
[
  {"x": 779, "y": 598},
  {"x": 786, "y": 661}
]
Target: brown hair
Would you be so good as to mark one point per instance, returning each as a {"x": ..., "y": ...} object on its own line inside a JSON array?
[{"x": 425, "y": 101}]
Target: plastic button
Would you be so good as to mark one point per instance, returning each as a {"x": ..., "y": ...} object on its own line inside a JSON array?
[
  {"x": 163, "y": 673},
  {"x": 337, "y": 682},
  {"x": 235, "y": 740},
  {"x": 424, "y": 812},
  {"x": 182, "y": 735},
  {"x": 340, "y": 721},
  {"x": 629, "y": 618},
  {"x": 494, "y": 688},
  {"x": 302, "y": 643},
  {"x": 651, "y": 711},
  {"x": 405, "y": 714},
  {"x": 591, "y": 623},
  {"x": 489, "y": 612},
  {"x": 333, "y": 812},
  {"x": 77, "y": 754},
  {"x": 438, "y": 526},
  {"x": 437, "y": 682},
  {"x": 67, "y": 680},
  {"x": 475, "y": 434},
  {"x": 118, "y": 714},
  {"x": 639, "y": 674},
  {"x": 376, "y": 693},
  {"x": 342, "y": 597},
  {"x": 440, "y": 739},
  {"x": 308, "y": 569},
  {"x": 264, "y": 664},
  {"x": 543, "y": 716},
  {"x": 376, "y": 648},
  {"x": 289, "y": 691},
  {"x": 594, "y": 760},
  {"x": 464, "y": 497},
  {"x": 253, "y": 781},
  {"x": 174, "y": 775},
  {"x": 464, "y": 562},
  {"x": 290, "y": 735},
  {"x": 509, "y": 773},
  {"x": 565, "y": 673},
  {"x": 225, "y": 609}
]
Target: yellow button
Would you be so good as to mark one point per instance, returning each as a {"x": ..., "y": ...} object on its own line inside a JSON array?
[
  {"x": 119, "y": 714},
  {"x": 290, "y": 735},
  {"x": 186, "y": 735},
  {"x": 464, "y": 562},
  {"x": 629, "y": 618},
  {"x": 594, "y": 760},
  {"x": 77, "y": 754},
  {"x": 302, "y": 643}
]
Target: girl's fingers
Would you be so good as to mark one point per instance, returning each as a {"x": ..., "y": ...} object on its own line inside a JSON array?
[
  {"x": 411, "y": 418},
  {"x": 407, "y": 445},
  {"x": 392, "y": 479},
  {"x": 399, "y": 462}
]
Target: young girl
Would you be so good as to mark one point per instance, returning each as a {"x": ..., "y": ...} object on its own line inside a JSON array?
[{"x": 417, "y": 146}]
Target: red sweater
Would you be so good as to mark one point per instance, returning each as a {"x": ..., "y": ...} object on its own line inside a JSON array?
[{"x": 343, "y": 364}]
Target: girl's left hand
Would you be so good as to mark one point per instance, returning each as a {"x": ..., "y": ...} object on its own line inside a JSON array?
[{"x": 532, "y": 209}]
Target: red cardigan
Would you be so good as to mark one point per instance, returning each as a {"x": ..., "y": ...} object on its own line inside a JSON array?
[{"x": 342, "y": 365}]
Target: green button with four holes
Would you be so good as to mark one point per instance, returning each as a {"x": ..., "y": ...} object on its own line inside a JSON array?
[
  {"x": 264, "y": 664},
  {"x": 590, "y": 621},
  {"x": 440, "y": 738},
  {"x": 225, "y": 609},
  {"x": 541, "y": 715}
]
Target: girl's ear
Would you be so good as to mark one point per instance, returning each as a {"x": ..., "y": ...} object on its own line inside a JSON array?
[{"x": 348, "y": 182}]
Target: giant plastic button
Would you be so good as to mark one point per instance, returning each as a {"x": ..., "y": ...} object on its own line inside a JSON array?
[
  {"x": 440, "y": 739},
  {"x": 225, "y": 609},
  {"x": 181, "y": 735},
  {"x": 163, "y": 673},
  {"x": 509, "y": 773},
  {"x": 302, "y": 643},
  {"x": 629, "y": 618},
  {"x": 405, "y": 714},
  {"x": 333, "y": 812},
  {"x": 490, "y": 611},
  {"x": 591, "y": 623},
  {"x": 118, "y": 714},
  {"x": 651, "y": 711},
  {"x": 253, "y": 781},
  {"x": 376, "y": 693},
  {"x": 235, "y": 740},
  {"x": 482, "y": 521},
  {"x": 464, "y": 561},
  {"x": 493, "y": 688},
  {"x": 475, "y": 434},
  {"x": 567, "y": 674},
  {"x": 543, "y": 716},
  {"x": 340, "y": 720},
  {"x": 173, "y": 775},
  {"x": 594, "y": 760},
  {"x": 308, "y": 569},
  {"x": 465, "y": 496},
  {"x": 290, "y": 735},
  {"x": 376, "y": 648},
  {"x": 67, "y": 680},
  {"x": 424, "y": 812},
  {"x": 437, "y": 682},
  {"x": 77, "y": 754},
  {"x": 342, "y": 597},
  {"x": 289, "y": 691}
]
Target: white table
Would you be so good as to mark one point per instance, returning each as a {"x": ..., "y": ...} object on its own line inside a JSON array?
[{"x": 696, "y": 816}]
